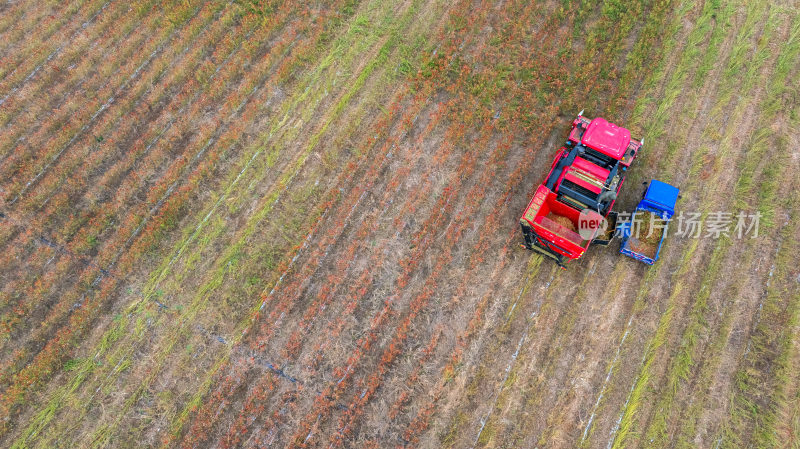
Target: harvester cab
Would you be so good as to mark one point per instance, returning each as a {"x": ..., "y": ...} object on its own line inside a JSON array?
[{"x": 570, "y": 207}]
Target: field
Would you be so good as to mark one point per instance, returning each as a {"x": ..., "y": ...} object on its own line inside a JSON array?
[{"x": 263, "y": 223}]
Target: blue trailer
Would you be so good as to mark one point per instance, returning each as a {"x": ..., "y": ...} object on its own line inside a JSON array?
[{"x": 658, "y": 203}]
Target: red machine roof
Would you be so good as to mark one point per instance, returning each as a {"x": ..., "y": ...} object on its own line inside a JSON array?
[{"x": 607, "y": 138}]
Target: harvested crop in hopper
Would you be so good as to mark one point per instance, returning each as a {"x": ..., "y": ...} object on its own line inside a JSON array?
[
  {"x": 563, "y": 221},
  {"x": 644, "y": 242}
]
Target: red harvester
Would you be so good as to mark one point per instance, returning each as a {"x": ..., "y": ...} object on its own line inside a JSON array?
[{"x": 566, "y": 212}]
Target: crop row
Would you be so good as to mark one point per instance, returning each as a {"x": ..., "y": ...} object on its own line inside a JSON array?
[
  {"x": 641, "y": 294},
  {"x": 391, "y": 352},
  {"x": 320, "y": 253},
  {"x": 135, "y": 229},
  {"x": 757, "y": 393},
  {"x": 705, "y": 303},
  {"x": 420, "y": 421},
  {"x": 89, "y": 225},
  {"x": 94, "y": 223},
  {"x": 324, "y": 242},
  {"x": 35, "y": 30},
  {"x": 67, "y": 112},
  {"x": 77, "y": 118},
  {"x": 217, "y": 400},
  {"x": 665, "y": 324},
  {"x": 645, "y": 290},
  {"x": 356, "y": 288},
  {"x": 281, "y": 183},
  {"x": 393, "y": 349},
  {"x": 69, "y": 70},
  {"x": 421, "y": 240}
]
